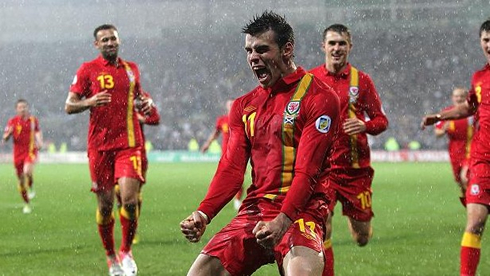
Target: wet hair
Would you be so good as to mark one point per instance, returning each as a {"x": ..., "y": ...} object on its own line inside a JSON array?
[
  {"x": 464, "y": 90},
  {"x": 21, "y": 101},
  {"x": 485, "y": 27},
  {"x": 338, "y": 28},
  {"x": 104, "y": 27},
  {"x": 271, "y": 21}
]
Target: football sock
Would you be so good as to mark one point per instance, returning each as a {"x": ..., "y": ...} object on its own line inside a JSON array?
[
  {"x": 328, "y": 269},
  {"x": 105, "y": 226},
  {"x": 30, "y": 182},
  {"x": 470, "y": 254},
  {"x": 129, "y": 223}
]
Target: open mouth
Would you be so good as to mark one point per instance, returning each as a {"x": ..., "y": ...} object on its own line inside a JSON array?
[
  {"x": 261, "y": 73},
  {"x": 336, "y": 56}
]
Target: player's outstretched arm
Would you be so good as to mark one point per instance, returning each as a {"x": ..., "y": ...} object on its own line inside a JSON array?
[
  {"x": 457, "y": 112},
  {"x": 213, "y": 136},
  {"x": 194, "y": 226},
  {"x": 74, "y": 104}
]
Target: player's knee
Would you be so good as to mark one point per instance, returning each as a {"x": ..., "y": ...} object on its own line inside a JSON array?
[
  {"x": 21, "y": 188},
  {"x": 362, "y": 240},
  {"x": 130, "y": 211},
  {"x": 104, "y": 216}
]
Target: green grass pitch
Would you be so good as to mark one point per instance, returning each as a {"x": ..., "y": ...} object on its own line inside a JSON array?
[{"x": 417, "y": 229}]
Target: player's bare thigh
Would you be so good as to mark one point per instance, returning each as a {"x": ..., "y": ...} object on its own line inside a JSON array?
[
  {"x": 129, "y": 188},
  {"x": 207, "y": 265},
  {"x": 28, "y": 168},
  {"x": 361, "y": 231},
  {"x": 476, "y": 218},
  {"x": 301, "y": 260}
]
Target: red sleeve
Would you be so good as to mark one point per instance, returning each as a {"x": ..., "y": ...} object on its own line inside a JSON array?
[
  {"x": 153, "y": 118},
  {"x": 218, "y": 124},
  {"x": 318, "y": 134},
  {"x": 81, "y": 82},
  {"x": 137, "y": 89},
  {"x": 472, "y": 98},
  {"x": 228, "y": 178},
  {"x": 10, "y": 123},
  {"x": 378, "y": 122}
]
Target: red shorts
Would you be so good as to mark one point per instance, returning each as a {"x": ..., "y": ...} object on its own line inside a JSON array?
[
  {"x": 352, "y": 187},
  {"x": 106, "y": 167},
  {"x": 478, "y": 190},
  {"x": 21, "y": 160},
  {"x": 237, "y": 248}
]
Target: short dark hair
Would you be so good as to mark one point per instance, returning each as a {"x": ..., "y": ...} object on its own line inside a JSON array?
[
  {"x": 338, "y": 28},
  {"x": 104, "y": 27},
  {"x": 271, "y": 21},
  {"x": 21, "y": 101},
  {"x": 485, "y": 27}
]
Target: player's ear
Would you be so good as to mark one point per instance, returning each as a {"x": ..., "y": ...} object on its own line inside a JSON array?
[{"x": 288, "y": 50}]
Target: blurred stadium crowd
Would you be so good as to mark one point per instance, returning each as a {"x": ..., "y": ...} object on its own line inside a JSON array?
[{"x": 190, "y": 77}]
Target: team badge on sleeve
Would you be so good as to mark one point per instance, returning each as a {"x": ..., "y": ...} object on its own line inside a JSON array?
[{"x": 323, "y": 123}]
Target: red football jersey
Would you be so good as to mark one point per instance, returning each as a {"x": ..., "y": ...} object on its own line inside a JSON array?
[
  {"x": 115, "y": 125},
  {"x": 223, "y": 128},
  {"x": 479, "y": 96},
  {"x": 24, "y": 135},
  {"x": 286, "y": 139},
  {"x": 459, "y": 133},
  {"x": 352, "y": 151}
]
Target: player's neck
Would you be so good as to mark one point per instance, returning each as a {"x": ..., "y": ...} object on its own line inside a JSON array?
[
  {"x": 112, "y": 60},
  {"x": 290, "y": 68},
  {"x": 335, "y": 68}
]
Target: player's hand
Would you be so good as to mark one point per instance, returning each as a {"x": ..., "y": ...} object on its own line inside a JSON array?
[
  {"x": 147, "y": 104},
  {"x": 268, "y": 234},
  {"x": 8, "y": 132},
  {"x": 204, "y": 148},
  {"x": 429, "y": 120},
  {"x": 141, "y": 118},
  {"x": 100, "y": 99},
  {"x": 354, "y": 126},
  {"x": 193, "y": 226}
]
